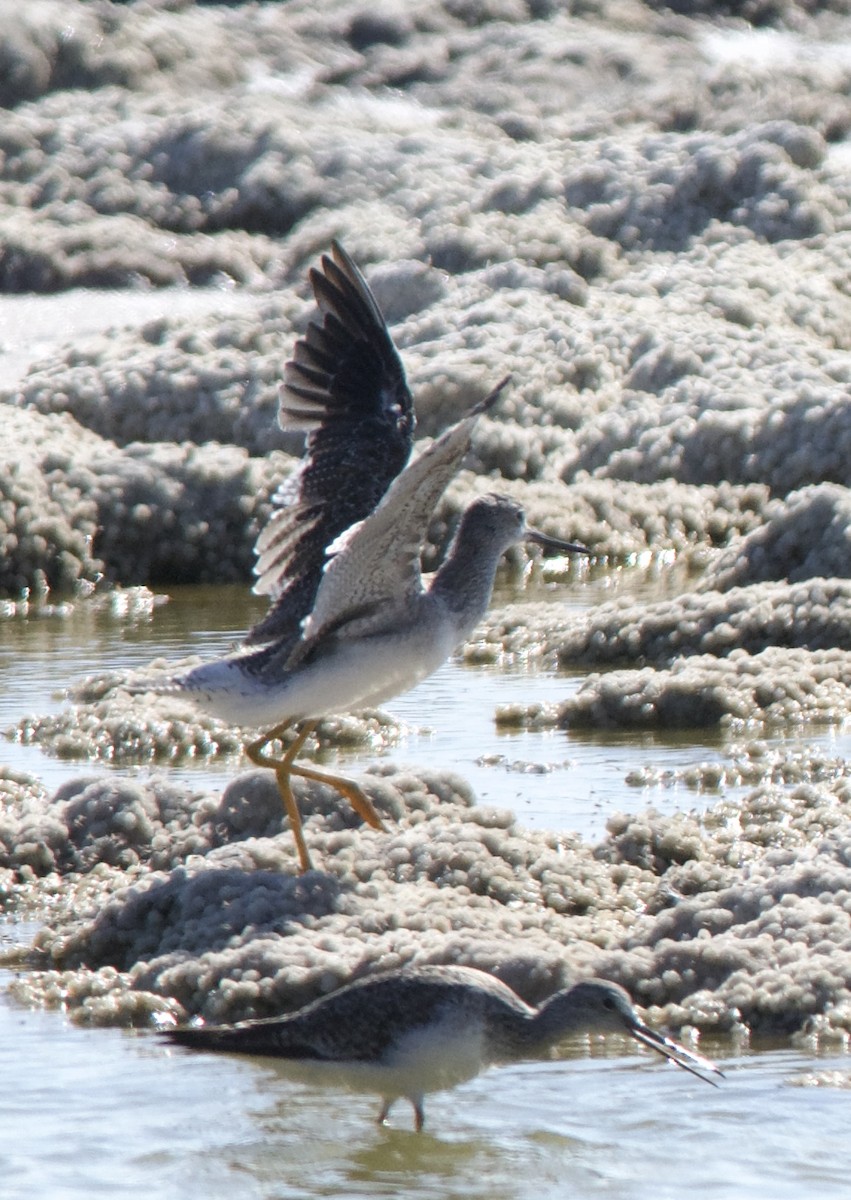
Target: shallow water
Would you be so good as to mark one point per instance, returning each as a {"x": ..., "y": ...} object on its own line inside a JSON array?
[
  {"x": 107, "y": 1113},
  {"x": 550, "y": 779}
]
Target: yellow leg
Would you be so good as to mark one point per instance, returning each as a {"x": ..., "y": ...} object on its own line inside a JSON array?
[
  {"x": 286, "y": 767},
  {"x": 256, "y": 752},
  {"x": 283, "y": 778},
  {"x": 353, "y": 792}
]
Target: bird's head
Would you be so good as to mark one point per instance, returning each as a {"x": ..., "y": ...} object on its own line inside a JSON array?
[
  {"x": 604, "y": 1007},
  {"x": 501, "y": 522}
]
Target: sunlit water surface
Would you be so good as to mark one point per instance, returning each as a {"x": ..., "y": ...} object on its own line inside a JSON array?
[
  {"x": 107, "y": 1113},
  {"x": 550, "y": 779}
]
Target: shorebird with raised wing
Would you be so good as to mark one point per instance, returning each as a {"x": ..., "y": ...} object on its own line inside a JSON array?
[{"x": 351, "y": 621}]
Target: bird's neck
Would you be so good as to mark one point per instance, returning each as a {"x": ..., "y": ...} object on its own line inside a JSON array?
[
  {"x": 545, "y": 1026},
  {"x": 518, "y": 1030},
  {"x": 464, "y": 581}
]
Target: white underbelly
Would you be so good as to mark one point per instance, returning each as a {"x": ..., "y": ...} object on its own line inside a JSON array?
[
  {"x": 355, "y": 675},
  {"x": 425, "y": 1060}
]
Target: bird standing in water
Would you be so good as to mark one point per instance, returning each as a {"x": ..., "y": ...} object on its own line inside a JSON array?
[
  {"x": 424, "y": 1029},
  {"x": 351, "y": 622}
]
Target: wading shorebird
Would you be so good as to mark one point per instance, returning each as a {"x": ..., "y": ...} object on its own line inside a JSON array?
[
  {"x": 351, "y": 621},
  {"x": 406, "y": 1033}
]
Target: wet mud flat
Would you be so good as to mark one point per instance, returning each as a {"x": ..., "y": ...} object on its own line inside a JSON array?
[{"x": 643, "y": 215}]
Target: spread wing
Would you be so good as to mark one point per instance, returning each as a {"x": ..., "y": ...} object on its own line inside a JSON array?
[
  {"x": 345, "y": 383},
  {"x": 374, "y": 567}
]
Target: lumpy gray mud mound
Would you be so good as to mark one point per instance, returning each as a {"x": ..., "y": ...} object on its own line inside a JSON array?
[
  {"x": 167, "y": 903},
  {"x": 639, "y": 211}
]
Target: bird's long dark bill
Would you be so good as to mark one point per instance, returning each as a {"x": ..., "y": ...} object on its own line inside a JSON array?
[
  {"x": 695, "y": 1064},
  {"x": 551, "y": 543}
]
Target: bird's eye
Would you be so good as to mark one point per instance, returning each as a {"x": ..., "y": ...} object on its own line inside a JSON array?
[{"x": 608, "y": 1003}]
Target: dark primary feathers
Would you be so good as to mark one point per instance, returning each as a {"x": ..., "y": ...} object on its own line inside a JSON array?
[{"x": 347, "y": 384}]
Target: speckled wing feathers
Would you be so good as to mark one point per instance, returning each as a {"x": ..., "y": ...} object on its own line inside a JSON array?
[
  {"x": 345, "y": 382},
  {"x": 381, "y": 567},
  {"x": 380, "y": 570},
  {"x": 364, "y": 1020}
]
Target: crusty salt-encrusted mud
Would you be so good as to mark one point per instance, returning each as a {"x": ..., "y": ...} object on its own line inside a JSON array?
[
  {"x": 747, "y": 764},
  {"x": 656, "y": 248},
  {"x": 777, "y": 686},
  {"x": 621, "y": 205},
  {"x": 166, "y": 902}
]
